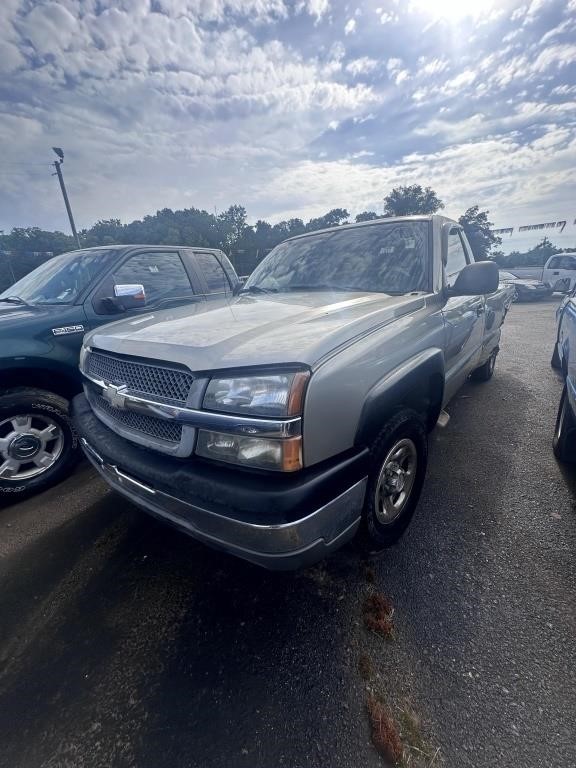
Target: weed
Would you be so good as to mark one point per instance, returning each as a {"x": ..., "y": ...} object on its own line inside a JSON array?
[
  {"x": 385, "y": 734},
  {"x": 378, "y": 611},
  {"x": 370, "y": 574},
  {"x": 365, "y": 666}
]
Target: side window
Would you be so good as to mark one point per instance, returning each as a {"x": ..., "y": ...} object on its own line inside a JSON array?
[
  {"x": 568, "y": 262},
  {"x": 456, "y": 258},
  {"x": 161, "y": 273},
  {"x": 214, "y": 275},
  {"x": 554, "y": 263}
]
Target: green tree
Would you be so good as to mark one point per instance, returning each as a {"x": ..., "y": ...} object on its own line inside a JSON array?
[
  {"x": 34, "y": 239},
  {"x": 406, "y": 201},
  {"x": 366, "y": 216},
  {"x": 104, "y": 232},
  {"x": 333, "y": 218},
  {"x": 232, "y": 223},
  {"x": 478, "y": 230}
]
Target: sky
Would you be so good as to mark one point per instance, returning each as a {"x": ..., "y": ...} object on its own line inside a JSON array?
[{"x": 289, "y": 108}]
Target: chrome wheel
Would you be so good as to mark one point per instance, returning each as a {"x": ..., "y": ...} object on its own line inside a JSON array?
[
  {"x": 395, "y": 481},
  {"x": 29, "y": 445}
]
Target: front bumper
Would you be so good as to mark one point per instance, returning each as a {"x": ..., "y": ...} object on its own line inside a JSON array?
[{"x": 276, "y": 521}]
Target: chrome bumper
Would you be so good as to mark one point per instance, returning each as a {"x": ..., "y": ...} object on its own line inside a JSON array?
[{"x": 277, "y": 547}]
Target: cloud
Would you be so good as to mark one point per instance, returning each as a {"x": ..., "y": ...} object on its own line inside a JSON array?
[
  {"x": 430, "y": 67},
  {"x": 209, "y": 102},
  {"x": 361, "y": 66},
  {"x": 315, "y": 8},
  {"x": 387, "y": 17},
  {"x": 500, "y": 173},
  {"x": 556, "y": 55}
]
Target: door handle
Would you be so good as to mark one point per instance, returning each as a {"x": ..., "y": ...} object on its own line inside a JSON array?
[{"x": 555, "y": 273}]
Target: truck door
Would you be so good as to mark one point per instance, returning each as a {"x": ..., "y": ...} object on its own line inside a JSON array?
[
  {"x": 464, "y": 316},
  {"x": 560, "y": 273}
]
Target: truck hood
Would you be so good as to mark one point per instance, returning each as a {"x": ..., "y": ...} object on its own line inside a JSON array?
[
  {"x": 254, "y": 330},
  {"x": 18, "y": 315}
]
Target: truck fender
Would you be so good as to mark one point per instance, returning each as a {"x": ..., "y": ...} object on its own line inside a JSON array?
[{"x": 418, "y": 384}]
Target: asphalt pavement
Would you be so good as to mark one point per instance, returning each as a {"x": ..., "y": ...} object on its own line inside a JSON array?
[{"x": 125, "y": 643}]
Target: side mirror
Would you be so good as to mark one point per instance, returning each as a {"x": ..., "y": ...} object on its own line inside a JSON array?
[
  {"x": 130, "y": 295},
  {"x": 126, "y": 296},
  {"x": 478, "y": 278}
]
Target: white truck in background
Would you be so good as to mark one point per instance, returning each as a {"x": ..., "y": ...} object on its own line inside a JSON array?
[{"x": 559, "y": 272}]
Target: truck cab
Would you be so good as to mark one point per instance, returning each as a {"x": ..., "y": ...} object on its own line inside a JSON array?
[{"x": 43, "y": 319}]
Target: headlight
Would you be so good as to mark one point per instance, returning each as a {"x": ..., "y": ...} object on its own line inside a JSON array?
[
  {"x": 83, "y": 354},
  {"x": 256, "y": 452},
  {"x": 279, "y": 395},
  {"x": 275, "y": 395}
]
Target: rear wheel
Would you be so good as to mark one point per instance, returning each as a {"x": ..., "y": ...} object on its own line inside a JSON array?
[
  {"x": 398, "y": 467},
  {"x": 38, "y": 445},
  {"x": 564, "y": 442},
  {"x": 486, "y": 371}
]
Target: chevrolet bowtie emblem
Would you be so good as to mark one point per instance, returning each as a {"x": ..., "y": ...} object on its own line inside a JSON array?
[{"x": 116, "y": 395}]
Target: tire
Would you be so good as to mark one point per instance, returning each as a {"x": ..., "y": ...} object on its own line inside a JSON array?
[
  {"x": 38, "y": 444},
  {"x": 564, "y": 442},
  {"x": 486, "y": 371},
  {"x": 555, "y": 362},
  {"x": 406, "y": 429}
]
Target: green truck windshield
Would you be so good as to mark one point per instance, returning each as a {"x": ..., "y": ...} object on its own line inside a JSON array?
[{"x": 62, "y": 279}]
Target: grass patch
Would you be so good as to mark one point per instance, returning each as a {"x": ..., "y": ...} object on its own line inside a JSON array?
[
  {"x": 385, "y": 733},
  {"x": 378, "y": 612},
  {"x": 365, "y": 666}
]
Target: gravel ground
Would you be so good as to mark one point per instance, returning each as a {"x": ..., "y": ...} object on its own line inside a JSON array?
[{"x": 124, "y": 643}]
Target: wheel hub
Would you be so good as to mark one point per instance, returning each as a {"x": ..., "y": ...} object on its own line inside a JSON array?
[
  {"x": 29, "y": 445},
  {"x": 24, "y": 447},
  {"x": 395, "y": 478}
]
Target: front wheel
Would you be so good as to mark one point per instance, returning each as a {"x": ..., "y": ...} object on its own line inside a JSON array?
[
  {"x": 564, "y": 442},
  {"x": 399, "y": 457},
  {"x": 486, "y": 371},
  {"x": 38, "y": 445}
]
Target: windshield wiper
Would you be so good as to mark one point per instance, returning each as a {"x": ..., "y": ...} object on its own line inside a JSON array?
[
  {"x": 257, "y": 289},
  {"x": 318, "y": 287},
  {"x": 16, "y": 300}
]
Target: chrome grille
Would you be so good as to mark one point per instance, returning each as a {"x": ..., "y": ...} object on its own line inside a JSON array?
[
  {"x": 161, "y": 382},
  {"x": 160, "y": 429}
]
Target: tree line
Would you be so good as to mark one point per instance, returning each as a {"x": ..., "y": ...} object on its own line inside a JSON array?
[{"x": 247, "y": 244}]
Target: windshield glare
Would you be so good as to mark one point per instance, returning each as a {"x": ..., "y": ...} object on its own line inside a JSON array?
[
  {"x": 62, "y": 279},
  {"x": 383, "y": 258}
]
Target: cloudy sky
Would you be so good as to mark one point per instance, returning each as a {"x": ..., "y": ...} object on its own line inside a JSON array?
[{"x": 288, "y": 107}]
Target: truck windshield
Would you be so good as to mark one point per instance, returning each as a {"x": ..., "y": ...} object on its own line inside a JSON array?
[
  {"x": 62, "y": 279},
  {"x": 383, "y": 258}
]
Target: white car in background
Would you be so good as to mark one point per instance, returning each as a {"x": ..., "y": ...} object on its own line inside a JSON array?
[{"x": 559, "y": 272}]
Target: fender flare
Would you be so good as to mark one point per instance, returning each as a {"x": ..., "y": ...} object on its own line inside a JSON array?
[{"x": 418, "y": 384}]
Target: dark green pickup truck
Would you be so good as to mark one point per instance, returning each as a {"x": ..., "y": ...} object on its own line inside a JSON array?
[{"x": 43, "y": 319}]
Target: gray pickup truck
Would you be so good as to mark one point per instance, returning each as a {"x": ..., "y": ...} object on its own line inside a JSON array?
[{"x": 294, "y": 418}]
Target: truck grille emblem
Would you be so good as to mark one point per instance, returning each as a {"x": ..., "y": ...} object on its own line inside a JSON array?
[{"x": 115, "y": 394}]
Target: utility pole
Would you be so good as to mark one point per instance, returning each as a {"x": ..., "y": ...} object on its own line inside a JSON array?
[{"x": 57, "y": 164}]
